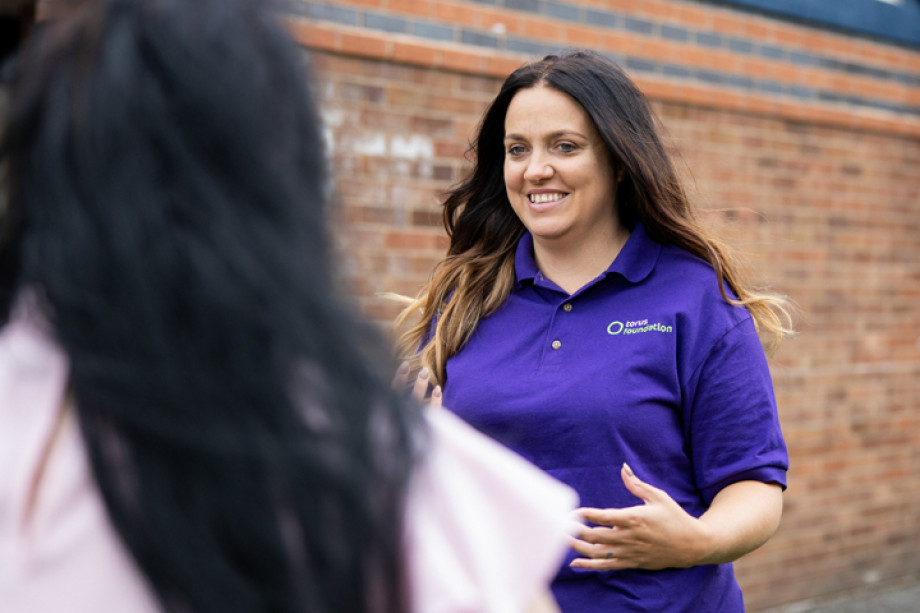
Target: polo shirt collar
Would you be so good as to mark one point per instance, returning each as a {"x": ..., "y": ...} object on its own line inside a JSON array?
[
  {"x": 635, "y": 262},
  {"x": 525, "y": 267},
  {"x": 638, "y": 257}
]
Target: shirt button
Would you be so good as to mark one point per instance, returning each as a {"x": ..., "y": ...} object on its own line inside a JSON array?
[
  {"x": 557, "y": 344},
  {"x": 567, "y": 307}
]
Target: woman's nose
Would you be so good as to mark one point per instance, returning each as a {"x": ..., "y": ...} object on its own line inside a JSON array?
[{"x": 538, "y": 170}]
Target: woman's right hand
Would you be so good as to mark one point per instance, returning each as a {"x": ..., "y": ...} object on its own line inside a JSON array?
[{"x": 419, "y": 386}]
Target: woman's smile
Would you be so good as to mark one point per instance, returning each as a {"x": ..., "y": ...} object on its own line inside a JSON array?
[{"x": 546, "y": 197}]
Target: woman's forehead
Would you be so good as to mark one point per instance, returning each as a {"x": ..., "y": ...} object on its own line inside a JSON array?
[{"x": 546, "y": 111}]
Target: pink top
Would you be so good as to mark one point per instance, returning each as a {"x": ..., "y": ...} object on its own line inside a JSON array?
[{"x": 485, "y": 530}]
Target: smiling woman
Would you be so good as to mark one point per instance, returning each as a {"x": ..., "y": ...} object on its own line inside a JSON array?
[
  {"x": 586, "y": 319},
  {"x": 561, "y": 186}
]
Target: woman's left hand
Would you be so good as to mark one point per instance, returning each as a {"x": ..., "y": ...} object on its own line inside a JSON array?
[
  {"x": 657, "y": 534},
  {"x": 660, "y": 534},
  {"x": 420, "y": 386}
]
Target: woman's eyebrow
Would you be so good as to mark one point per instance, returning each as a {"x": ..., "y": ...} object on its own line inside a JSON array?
[{"x": 551, "y": 135}]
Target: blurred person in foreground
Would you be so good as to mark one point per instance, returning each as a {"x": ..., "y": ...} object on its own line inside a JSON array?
[
  {"x": 585, "y": 318},
  {"x": 191, "y": 421},
  {"x": 16, "y": 19}
]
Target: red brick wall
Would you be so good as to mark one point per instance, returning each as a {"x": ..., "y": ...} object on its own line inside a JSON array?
[{"x": 803, "y": 144}]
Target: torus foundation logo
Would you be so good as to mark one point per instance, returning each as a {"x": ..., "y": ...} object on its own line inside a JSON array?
[{"x": 636, "y": 327}]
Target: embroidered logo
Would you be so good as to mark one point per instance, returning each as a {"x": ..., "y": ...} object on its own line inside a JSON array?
[{"x": 638, "y": 326}]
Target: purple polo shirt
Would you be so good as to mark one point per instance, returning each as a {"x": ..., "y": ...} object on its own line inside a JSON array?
[{"x": 647, "y": 364}]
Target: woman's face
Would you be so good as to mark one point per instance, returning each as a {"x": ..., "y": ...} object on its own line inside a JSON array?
[{"x": 557, "y": 174}]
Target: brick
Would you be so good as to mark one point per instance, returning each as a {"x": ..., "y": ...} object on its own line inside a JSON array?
[
  {"x": 468, "y": 84},
  {"x": 728, "y": 23},
  {"x": 450, "y": 104},
  {"x": 640, "y": 26},
  {"x": 478, "y": 39},
  {"x": 501, "y": 21},
  {"x": 621, "y": 42},
  {"x": 387, "y": 23},
  {"x": 328, "y": 12},
  {"x": 363, "y": 44},
  {"x": 366, "y": 214},
  {"x": 676, "y": 70},
  {"x": 414, "y": 53},
  {"x": 310, "y": 35},
  {"x": 427, "y": 219},
  {"x": 710, "y": 39},
  {"x": 757, "y": 29},
  {"x": 689, "y": 15},
  {"x": 633, "y": 65},
  {"x": 660, "y": 51},
  {"x": 339, "y": 64},
  {"x": 675, "y": 33},
  {"x": 582, "y": 36},
  {"x": 656, "y": 9},
  {"x": 561, "y": 10},
  {"x": 755, "y": 66},
  {"x": 407, "y": 97},
  {"x": 527, "y": 6},
  {"x": 390, "y": 120},
  {"x": 409, "y": 240},
  {"x": 501, "y": 66},
  {"x": 604, "y": 19},
  {"x": 362, "y": 92},
  {"x": 523, "y": 45},
  {"x": 460, "y": 60},
  {"x": 789, "y": 36},
  {"x": 414, "y": 8},
  {"x": 434, "y": 31},
  {"x": 741, "y": 45},
  {"x": 450, "y": 149},
  {"x": 455, "y": 13},
  {"x": 543, "y": 29}
]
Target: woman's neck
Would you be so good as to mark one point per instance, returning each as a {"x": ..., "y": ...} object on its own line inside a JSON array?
[{"x": 572, "y": 266}]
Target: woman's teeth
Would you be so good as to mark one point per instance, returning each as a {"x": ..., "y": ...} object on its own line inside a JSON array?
[{"x": 544, "y": 198}]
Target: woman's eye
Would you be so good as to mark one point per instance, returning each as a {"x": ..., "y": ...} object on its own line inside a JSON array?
[
  {"x": 516, "y": 150},
  {"x": 566, "y": 147}
]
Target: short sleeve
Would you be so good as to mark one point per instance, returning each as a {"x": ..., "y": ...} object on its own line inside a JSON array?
[
  {"x": 733, "y": 426},
  {"x": 486, "y": 531}
]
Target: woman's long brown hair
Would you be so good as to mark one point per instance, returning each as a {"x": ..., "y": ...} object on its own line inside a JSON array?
[{"x": 477, "y": 274}]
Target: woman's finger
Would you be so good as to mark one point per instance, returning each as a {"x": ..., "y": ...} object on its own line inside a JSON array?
[
  {"x": 401, "y": 378},
  {"x": 435, "y": 400},
  {"x": 598, "y": 536},
  {"x": 602, "y": 563},
  {"x": 420, "y": 388},
  {"x": 595, "y": 557},
  {"x": 604, "y": 517},
  {"x": 649, "y": 494},
  {"x": 588, "y": 550}
]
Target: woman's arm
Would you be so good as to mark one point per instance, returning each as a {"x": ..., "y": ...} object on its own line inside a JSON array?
[
  {"x": 743, "y": 516},
  {"x": 660, "y": 534}
]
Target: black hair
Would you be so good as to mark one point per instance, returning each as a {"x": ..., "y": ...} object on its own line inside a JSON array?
[
  {"x": 164, "y": 198},
  {"x": 16, "y": 19}
]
